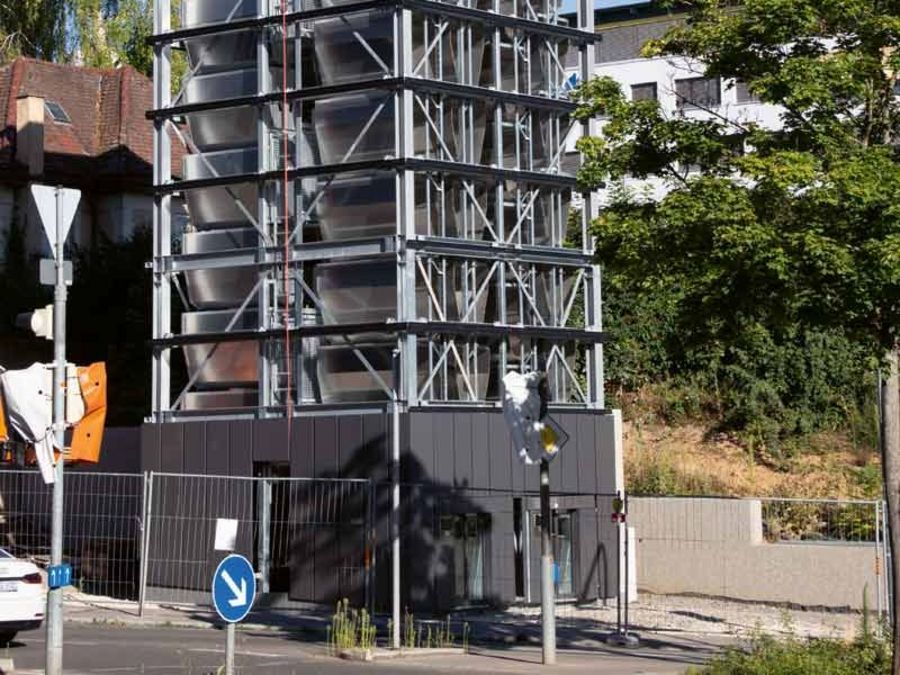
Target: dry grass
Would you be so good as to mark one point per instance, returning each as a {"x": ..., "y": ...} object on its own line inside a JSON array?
[{"x": 682, "y": 460}]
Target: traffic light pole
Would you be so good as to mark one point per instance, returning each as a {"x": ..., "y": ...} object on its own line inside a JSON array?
[
  {"x": 548, "y": 617},
  {"x": 55, "y": 595}
]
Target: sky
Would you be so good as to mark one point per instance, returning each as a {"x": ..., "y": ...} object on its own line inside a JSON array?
[{"x": 569, "y": 5}]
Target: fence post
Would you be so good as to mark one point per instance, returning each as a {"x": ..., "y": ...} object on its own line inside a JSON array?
[
  {"x": 878, "y": 569},
  {"x": 886, "y": 555},
  {"x": 145, "y": 541},
  {"x": 264, "y": 519}
]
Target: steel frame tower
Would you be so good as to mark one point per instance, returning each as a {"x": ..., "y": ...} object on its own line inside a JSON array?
[{"x": 406, "y": 229}]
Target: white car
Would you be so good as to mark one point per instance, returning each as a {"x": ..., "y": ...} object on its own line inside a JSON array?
[{"x": 23, "y": 596}]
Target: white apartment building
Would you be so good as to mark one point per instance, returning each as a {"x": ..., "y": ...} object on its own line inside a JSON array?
[{"x": 678, "y": 84}]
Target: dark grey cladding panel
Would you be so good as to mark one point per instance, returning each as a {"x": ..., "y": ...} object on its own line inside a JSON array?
[
  {"x": 502, "y": 579},
  {"x": 120, "y": 451},
  {"x": 241, "y": 448},
  {"x": 350, "y": 440},
  {"x": 150, "y": 440},
  {"x": 270, "y": 441},
  {"x": 370, "y": 461},
  {"x": 303, "y": 448},
  {"x": 443, "y": 439},
  {"x": 326, "y": 461},
  {"x": 587, "y": 461},
  {"x": 502, "y": 466},
  {"x": 218, "y": 445},
  {"x": 171, "y": 448},
  {"x": 481, "y": 450},
  {"x": 463, "y": 448},
  {"x": 419, "y": 463},
  {"x": 195, "y": 447},
  {"x": 581, "y": 475}
]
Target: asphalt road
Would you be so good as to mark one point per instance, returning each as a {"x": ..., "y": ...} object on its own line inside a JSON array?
[{"x": 112, "y": 649}]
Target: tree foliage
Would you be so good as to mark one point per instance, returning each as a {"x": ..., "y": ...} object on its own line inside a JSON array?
[
  {"x": 32, "y": 28},
  {"x": 776, "y": 256}
]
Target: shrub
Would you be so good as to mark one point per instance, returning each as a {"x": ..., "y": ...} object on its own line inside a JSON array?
[{"x": 869, "y": 654}]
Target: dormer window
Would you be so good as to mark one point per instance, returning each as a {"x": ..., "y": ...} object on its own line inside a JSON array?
[{"x": 57, "y": 112}]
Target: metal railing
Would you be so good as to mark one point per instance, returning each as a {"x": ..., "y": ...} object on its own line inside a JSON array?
[
  {"x": 821, "y": 520},
  {"x": 150, "y": 538},
  {"x": 295, "y": 532},
  {"x": 103, "y": 522}
]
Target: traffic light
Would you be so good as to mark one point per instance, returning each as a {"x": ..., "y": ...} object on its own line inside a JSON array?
[
  {"x": 526, "y": 399},
  {"x": 40, "y": 321}
]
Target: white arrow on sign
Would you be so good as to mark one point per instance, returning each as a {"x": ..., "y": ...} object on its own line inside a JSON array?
[
  {"x": 45, "y": 200},
  {"x": 240, "y": 594}
]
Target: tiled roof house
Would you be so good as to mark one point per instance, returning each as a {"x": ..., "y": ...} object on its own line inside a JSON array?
[{"x": 77, "y": 127}]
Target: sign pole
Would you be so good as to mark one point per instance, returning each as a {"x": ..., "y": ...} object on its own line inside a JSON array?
[
  {"x": 55, "y": 595},
  {"x": 229, "y": 649},
  {"x": 548, "y": 617},
  {"x": 233, "y": 592}
]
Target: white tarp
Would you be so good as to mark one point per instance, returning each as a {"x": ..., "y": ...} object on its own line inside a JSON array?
[
  {"x": 28, "y": 396},
  {"x": 533, "y": 434}
]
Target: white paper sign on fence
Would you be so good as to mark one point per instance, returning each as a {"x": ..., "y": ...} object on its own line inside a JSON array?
[{"x": 226, "y": 534}]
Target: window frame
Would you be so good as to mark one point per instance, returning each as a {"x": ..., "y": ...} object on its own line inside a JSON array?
[
  {"x": 691, "y": 102},
  {"x": 639, "y": 85}
]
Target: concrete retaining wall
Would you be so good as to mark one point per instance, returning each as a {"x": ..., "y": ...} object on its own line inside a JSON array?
[{"x": 716, "y": 547}]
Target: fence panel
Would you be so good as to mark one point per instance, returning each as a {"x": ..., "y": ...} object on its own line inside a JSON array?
[
  {"x": 805, "y": 552},
  {"x": 308, "y": 539},
  {"x": 102, "y": 526}
]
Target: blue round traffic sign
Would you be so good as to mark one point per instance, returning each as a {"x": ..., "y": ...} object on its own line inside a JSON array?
[{"x": 233, "y": 588}]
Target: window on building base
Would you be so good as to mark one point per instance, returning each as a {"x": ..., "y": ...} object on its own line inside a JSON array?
[
  {"x": 698, "y": 92},
  {"x": 743, "y": 94},
  {"x": 561, "y": 537},
  {"x": 465, "y": 534},
  {"x": 645, "y": 91}
]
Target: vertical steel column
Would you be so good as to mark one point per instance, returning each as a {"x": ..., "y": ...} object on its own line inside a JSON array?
[
  {"x": 589, "y": 212},
  {"x": 499, "y": 192},
  {"x": 407, "y": 386},
  {"x": 264, "y": 523},
  {"x": 162, "y": 214},
  {"x": 266, "y": 295}
]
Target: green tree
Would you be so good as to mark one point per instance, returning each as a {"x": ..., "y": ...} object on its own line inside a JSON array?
[
  {"x": 32, "y": 28},
  {"x": 771, "y": 231},
  {"x": 114, "y": 32}
]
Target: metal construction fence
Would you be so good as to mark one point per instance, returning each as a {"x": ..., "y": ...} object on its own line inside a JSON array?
[
  {"x": 150, "y": 538},
  {"x": 103, "y": 524},
  {"x": 294, "y": 531}
]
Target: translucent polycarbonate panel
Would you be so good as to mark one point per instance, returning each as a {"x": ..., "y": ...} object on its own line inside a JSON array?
[
  {"x": 218, "y": 288},
  {"x": 221, "y": 206},
  {"x": 201, "y": 12},
  {"x": 229, "y": 126},
  {"x": 357, "y": 291},
  {"x": 540, "y": 220},
  {"x": 354, "y": 128},
  {"x": 220, "y": 400},
  {"x": 360, "y": 127},
  {"x": 366, "y": 291},
  {"x": 221, "y": 163},
  {"x": 232, "y": 49},
  {"x": 361, "y": 206},
  {"x": 344, "y": 379},
  {"x": 223, "y": 363},
  {"x": 355, "y": 47}
]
